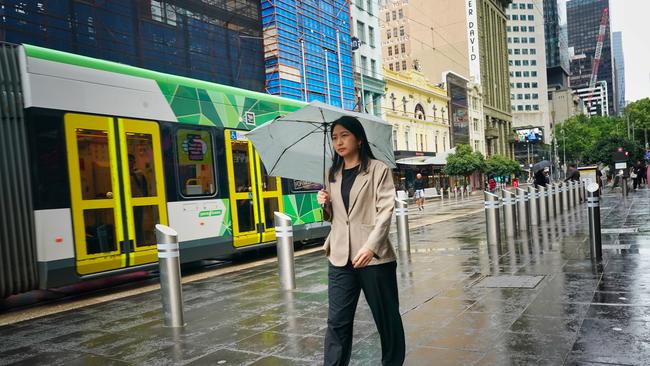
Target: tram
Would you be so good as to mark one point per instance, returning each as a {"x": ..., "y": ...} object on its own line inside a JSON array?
[{"x": 104, "y": 151}]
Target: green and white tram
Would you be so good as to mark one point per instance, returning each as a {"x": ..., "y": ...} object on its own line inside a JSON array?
[{"x": 111, "y": 150}]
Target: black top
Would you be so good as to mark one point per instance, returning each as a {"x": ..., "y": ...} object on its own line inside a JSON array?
[
  {"x": 349, "y": 175},
  {"x": 419, "y": 184}
]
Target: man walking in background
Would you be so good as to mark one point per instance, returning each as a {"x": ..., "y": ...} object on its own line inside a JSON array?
[{"x": 419, "y": 191}]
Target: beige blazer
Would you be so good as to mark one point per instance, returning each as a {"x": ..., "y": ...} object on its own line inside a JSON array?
[{"x": 367, "y": 223}]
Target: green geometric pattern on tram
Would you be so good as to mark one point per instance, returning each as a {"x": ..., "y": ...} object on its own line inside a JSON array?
[
  {"x": 215, "y": 108},
  {"x": 302, "y": 208},
  {"x": 226, "y": 225}
]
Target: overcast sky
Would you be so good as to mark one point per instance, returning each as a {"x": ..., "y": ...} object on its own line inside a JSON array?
[{"x": 631, "y": 17}]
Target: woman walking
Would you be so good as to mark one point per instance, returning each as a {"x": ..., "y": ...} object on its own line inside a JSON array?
[{"x": 359, "y": 201}]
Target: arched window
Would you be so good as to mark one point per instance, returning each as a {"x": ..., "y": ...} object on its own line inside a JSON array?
[{"x": 419, "y": 112}]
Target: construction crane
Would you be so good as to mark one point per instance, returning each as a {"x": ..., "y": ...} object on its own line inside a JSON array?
[{"x": 599, "y": 51}]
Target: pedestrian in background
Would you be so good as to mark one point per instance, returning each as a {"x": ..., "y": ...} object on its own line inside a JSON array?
[
  {"x": 359, "y": 202},
  {"x": 419, "y": 191},
  {"x": 572, "y": 173}
]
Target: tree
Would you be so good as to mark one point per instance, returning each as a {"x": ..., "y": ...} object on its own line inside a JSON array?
[
  {"x": 577, "y": 135},
  {"x": 638, "y": 114},
  {"x": 602, "y": 151},
  {"x": 464, "y": 162},
  {"x": 501, "y": 166}
]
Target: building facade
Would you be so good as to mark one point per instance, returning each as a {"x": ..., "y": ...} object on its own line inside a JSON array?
[
  {"x": 584, "y": 18},
  {"x": 368, "y": 69},
  {"x": 307, "y": 51},
  {"x": 527, "y": 61},
  {"x": 490, "y": 68},
  {"x": 596, "y": 99},
  {"x": 619, "y": 61},
  {"x": 467, "y": 38},
  {"x": 417, "y": 109},
  {"x": 216, "y": 41},
  {"x": 476, "y": 117},
  {"x": 565, "y": 104},
  {"x": 556, "y": 36}
]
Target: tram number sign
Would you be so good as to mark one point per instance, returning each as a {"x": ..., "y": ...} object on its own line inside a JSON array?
[{"x": 250, "y": 118}]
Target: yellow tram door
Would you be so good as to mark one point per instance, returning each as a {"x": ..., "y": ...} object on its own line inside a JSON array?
[
  {"x": 144, "y": 189},
  {"x": 113, "y": 217},
  {"x": 95, "y": 193},
  {"x": 270, "y": 191},
  {"x": 242, "y": 186}
]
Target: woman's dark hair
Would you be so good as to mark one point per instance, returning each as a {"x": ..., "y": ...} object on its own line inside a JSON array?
[{"x": 365, "y": 154}]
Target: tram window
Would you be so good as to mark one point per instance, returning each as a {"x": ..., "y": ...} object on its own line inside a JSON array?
[
  {"x": 141, "y": 164},
  {"x": 241, "y": 165},
  {"x": 94, "y": 164},
  {"x": 195, "y": 163},
  {"x": 298, "y": 186}
]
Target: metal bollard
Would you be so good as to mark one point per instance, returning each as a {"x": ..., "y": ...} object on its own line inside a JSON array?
[
  {"x": 595, "y": 242},
  {"x": 550, "y": 201},
  {"x": 284, "y": 235},
  {"x": 492, "y": 204},
  {"x": 455, "y": 193},
  {"x": 523, "y": 209},
  {"x": 576, "y": 193},
  {"x": 533, "y": 207},
  {"x": 170, "y": 276},
  {"x": 402, "y": 216},
  {"x": 624, "y": 187},
  {"x": 543, "y": 204},
  {"x": 509, "y": 220},
  {"x": 571, "y": 203},
  {"x": 565, "y": 197},
  {"x": 558, "y": 199}
]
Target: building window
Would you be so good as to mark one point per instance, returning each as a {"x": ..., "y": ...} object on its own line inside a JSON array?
[
  {"x": 515, "y": 40},
  {"x": 533, "y": 51},
  {"x": 419, "y": 112},
  {"x": 528, "y": 107},
  {"x": 533, "y": 74},
  {"x": 401, "y": 30},
  {"x": 527, "y": 96},
  {"x": 394, "y": 15},
  {"x": 520, "y": 96},
  {"x": 387, "y": 16},
  {"x": 373, "y": 68},
  {"x": 526, "y": 74},
  {"x": 390, "y": 67},
  {"x": 535, "y": 96},
  {"x": 406, "y": 138},
  {"x": 510, "y": 51},
  {"x": 520, "y": 107},
  {"x": 522, "y": 6},
  {"x": 530, "y": 6},
  {"x": 531, "y": 29},
  {"x": 421, "y": 142},
  {"x": 508, "y": 29},
  {"x": 397, "y": 66},
  {"x": 392, "y": 95},
  {"x": 371, "y": 36},
  {"x": 531, "y": 17},
  {"x": 361, "y": 31},
  {"x": 364, "y": 64},
  {"x": 524, "y": 51},
  {"x": 527, "y": 85},
  {"x": 517, "y": 62},
  {"x": 519, "y": 85},
  {"x": 524, "y": 29},
  {"x": 524, "y": 40},
  {"x": 535, "y": 85},
  {"x": 515, "y": 29},
  {"x": 510, "y": 63},
  {"x": 359, "y": 4},
  {"x": 390, "y": 51},
  {"x": 533, "y": 62},
  {"x": 394, "y": 139},
  {"x": 404, "y": 101},
  {"x": 509, "y": 39},
  {"x": 515, "y": 17},
  {"x": 396, "y": 50},
  {"x": 524, "y": 62},
  {"x": 517, "y": 51},
  {"x": 369, "y": 6},
  {"x": 403, "y": 48},
  {"x": 536, "y": 107},
  {"x": 404, "y": 65},
  {"x": 395, "y": 32},
  {"x": 388, "y": 34},
  {"x": 518, "y": 74},
  {"x": 401, "y": 13},
  {"x": 531, "y": 40}
]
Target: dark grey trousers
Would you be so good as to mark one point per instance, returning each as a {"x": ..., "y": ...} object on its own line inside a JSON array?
[{"x": 379, "y": 285}]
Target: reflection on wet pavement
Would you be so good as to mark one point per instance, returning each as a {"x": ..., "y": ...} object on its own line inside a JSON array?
[{"x": 576, "y": 315}]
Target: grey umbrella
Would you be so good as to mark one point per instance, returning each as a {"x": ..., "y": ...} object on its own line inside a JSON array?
[
  {"x": 541, "y": 165},
  {"x": 298, "y": 145}
]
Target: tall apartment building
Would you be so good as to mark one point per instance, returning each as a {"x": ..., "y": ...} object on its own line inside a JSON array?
[
  {"x": 527, "y": 61},
  {"x": 307, "y": 50},
  {"x": 467, "y": 38},
  {"x": 368, "y": 69},
  {"x": 556, "y": 36},
  {"x": 619, "y": 61},
  {"x": 215, "y": 41},
  {"x": 584, "y": 17}
]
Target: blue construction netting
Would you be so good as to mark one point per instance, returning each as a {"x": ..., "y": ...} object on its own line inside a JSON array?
[{"x": 285, "y": 24}]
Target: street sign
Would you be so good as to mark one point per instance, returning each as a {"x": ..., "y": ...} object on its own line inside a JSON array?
[{"x": 620, "y": 165}]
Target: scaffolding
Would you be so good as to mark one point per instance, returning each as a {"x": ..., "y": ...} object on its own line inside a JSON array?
[{"x": 307, "y": 50}]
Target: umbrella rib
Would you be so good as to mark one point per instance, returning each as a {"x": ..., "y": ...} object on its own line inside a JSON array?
[{"x": 290, "y": 146}]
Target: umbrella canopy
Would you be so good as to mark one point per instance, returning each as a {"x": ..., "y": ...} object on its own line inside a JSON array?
[
  {"x": 541, "y": 165},
  {"x": 298, "y": 145}
]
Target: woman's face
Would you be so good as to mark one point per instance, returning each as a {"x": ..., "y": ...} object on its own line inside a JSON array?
[{"x": 345, "y": 143}]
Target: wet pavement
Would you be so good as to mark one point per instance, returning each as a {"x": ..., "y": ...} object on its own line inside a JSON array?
[{"x": 576, "y": 315}]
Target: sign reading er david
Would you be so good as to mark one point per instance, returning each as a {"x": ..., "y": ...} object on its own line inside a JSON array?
[{"x": 472, "y": 40}]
